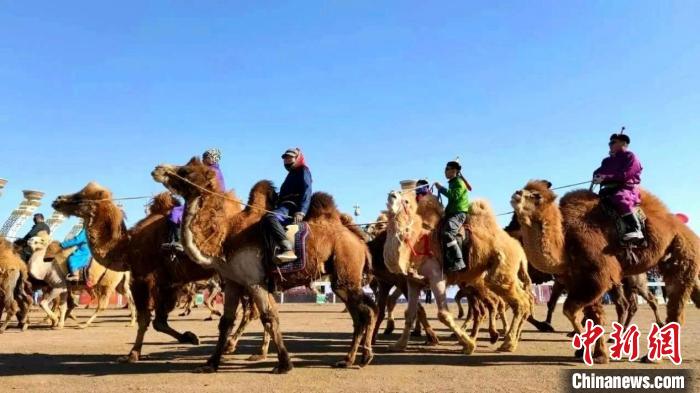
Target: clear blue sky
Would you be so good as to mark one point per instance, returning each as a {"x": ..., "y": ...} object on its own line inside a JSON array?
[{"x": 372, "y": 93}]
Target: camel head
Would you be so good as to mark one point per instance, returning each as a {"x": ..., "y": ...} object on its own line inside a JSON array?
[
  {"x": 187, "y": 180},
  {"x": 39, "y": 242},
  {"x": 530, "y": 201},
  {"x": 83, "y": 203}
]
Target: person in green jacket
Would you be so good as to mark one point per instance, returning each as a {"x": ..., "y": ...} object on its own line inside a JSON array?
[{"x": 455, "y": 214}]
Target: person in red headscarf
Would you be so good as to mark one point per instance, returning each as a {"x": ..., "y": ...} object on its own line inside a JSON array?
[{"x": 293, "y": 201}]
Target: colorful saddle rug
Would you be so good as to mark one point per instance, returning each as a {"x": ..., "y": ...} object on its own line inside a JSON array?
[{"x": 300, "y": 236}]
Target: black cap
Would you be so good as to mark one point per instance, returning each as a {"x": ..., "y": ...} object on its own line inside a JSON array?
[
  {"x": 620, "y": 137},
  {"x": 454, "y": 165}
]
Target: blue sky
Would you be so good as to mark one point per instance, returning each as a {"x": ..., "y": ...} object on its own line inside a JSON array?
[{"x": 373, "y": 93}]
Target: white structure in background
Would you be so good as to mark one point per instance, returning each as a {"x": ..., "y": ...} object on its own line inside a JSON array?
[
  {"x": 55, "y": 221},
  {"x": 76, "y": 228},
  {"x": 2, "y": 185},
  {"x": 32, "y": 200}
]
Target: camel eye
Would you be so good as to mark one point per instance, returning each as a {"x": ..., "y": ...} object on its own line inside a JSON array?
[{"x": 537, "y": 196}]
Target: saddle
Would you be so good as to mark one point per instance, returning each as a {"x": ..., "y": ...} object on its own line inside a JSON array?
[{"x": 297, "y": 235}]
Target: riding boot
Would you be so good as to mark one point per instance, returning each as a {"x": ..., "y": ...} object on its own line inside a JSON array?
[
  {"x": 174, "y": 237},
  {"x": 453, "y": 257},
  {"x": 634, "y": 228},
  {"x": 285, "y": 251}
]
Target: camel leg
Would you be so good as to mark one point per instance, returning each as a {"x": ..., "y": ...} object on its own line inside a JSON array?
[
  {"x": 621, "y": 304},
  {"x": 382, "y": 297},
  {"x": 269, "y": 316},
  {"x": 431, "y": 337},
  {"x": 458, "y": 300},
  {"x": 557, "y": 290},
  {"x": 166, "y": 303},
  {"x": 209, "y": 303},
  {"x": 439, "y": 288},
  {"x": 680, "y": 279},
  {"x": 410, "y": 316},
  {"x": 653, "y": 304},
  {"x": 492, "y": 308},
  {"x": 231, "y": 302},
  {"x": 390, "y": 305},
  {"x": 479, "y": 316},
  {"x": 47, "y": 300},
  {"x": 503, "y": 285},
  {"x": 352, "y": 297},
  {"x": 596, "y": 313},
  {"x": 142, "y": 293},
  {"x": 586, "y": 293},
  {"x": 131, "y": 304},
  {"x": 9, "y": 304},
  {"x": 102, "y": 302}
]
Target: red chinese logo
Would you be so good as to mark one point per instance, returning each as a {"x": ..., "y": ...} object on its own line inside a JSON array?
[
  {"x": 625, "y": 342},
  {"x": 665, "y": 342},
  {"x": 587, "y": 340}
]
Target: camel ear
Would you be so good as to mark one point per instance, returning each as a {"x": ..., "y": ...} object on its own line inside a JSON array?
[{"x": 548, "y": 183}]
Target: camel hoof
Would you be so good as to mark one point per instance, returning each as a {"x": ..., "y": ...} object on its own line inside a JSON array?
[
  {"x": 366, "y": 358},
  {"x": 494, "y": 337},
  {"x": 2, "y": 329},
  {"x": 189, "y": 338},
  {"x": 645, "y": 359},
  {"x": 416, "y": 334},
  {"x": 209, "y": 318},
  {"x": 58, "y": 327},
  {"x": 132, "y": 357},
  {"x": 570, "y": 334},
  {"x": 578, "y": 354},
  {"x": 208, "y": 369},
  {"x": 611, "y": 340},
  {"x": 396, "y": 348},
  {"x": 601, "y": 359},
  {"x": 230, "y": 348},
  {"x": 24, "y": 327},
  {"x": 342, "y": 364},
  {"x": 389, "y": 328},
  {"x": 507, "y": 347},
  {"x": 217, "y": 313},
  {"x": 283, "y": 368},
  {"x": 256, "y": 358},
  {"x": 83, "y": 326},
  {"x": 431, "y": 343},
  {"x": 545, "y": 327},
  {"x": 182, "y": 315}
]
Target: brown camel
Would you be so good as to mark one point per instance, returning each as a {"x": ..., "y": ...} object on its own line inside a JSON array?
[
  {"x": 15, "y": 300},
  {"x": 493, "y": 254},
  {"x": 187, "y": 297},
  {"x": 216, "y": 235},
  {"x": 156, "y": 273},
  {"x": 577, "y": 240}
]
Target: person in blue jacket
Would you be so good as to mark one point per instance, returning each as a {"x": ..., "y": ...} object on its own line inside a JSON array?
[
  {"x": 292, "y": 203},
  {"x": 80, "y": 258}
]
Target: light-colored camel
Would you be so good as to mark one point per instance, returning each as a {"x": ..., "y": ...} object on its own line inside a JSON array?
[
  {"x": 188, "y": 295},
  {"x": 48, "y": 263},
  {"x": 493, "y": 256},
  {"x": 217, "y": 235},
  {"x": 577, "y": 241},
  {"x": 14, "y": 300}
]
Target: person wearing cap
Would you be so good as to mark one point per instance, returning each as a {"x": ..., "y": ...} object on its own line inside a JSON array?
[
  {"x": 210, "y": 158},
  {"x": 39, "y": 226},
  {"x": 292, "y": 203},
  {"x": 455, "y": 214},
  {"x": 422, "y": 189},
  {"x": 619, "y": 176}
]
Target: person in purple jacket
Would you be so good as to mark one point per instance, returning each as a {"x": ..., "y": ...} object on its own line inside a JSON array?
[
  {"x": 210, "y": 158},
  {"x": 619, "y": 176}
]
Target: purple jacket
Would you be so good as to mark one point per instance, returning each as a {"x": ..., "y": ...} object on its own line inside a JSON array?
[
  {"x": 219, "y": 176},
  {"x": 176, "y": 213},
  {"x": 623, "y": 167}
]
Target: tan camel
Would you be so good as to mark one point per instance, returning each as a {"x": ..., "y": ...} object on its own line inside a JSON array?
[
  {"x": 577, "y": 241},
  {"x": 14, "y": 299},
  {"x": 48, "y": 263},
  {"x": 494, "y": 257},
  {"x": 215, "y": 235}
]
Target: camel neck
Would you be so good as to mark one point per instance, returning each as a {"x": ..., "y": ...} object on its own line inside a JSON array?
[
  {"x": 543, "y": 241},
  {"x": 106, "y": 236}
]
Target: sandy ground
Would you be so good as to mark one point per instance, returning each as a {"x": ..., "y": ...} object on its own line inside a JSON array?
[{"x": 317, "y": 335}]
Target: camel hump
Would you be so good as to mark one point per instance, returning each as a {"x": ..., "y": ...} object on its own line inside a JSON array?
[
  {"x": 322, "y": 206},
  {"x": 162, "y": 203},
  {"x": 480, "y": 207}
]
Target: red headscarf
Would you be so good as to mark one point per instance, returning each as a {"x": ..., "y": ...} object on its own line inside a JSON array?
[{"x": 301, "y": 161}]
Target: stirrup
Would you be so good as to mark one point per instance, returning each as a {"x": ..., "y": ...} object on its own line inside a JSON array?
[
  {"x": 287, "y": 256},
  {"x": 633, "y": 236}
]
